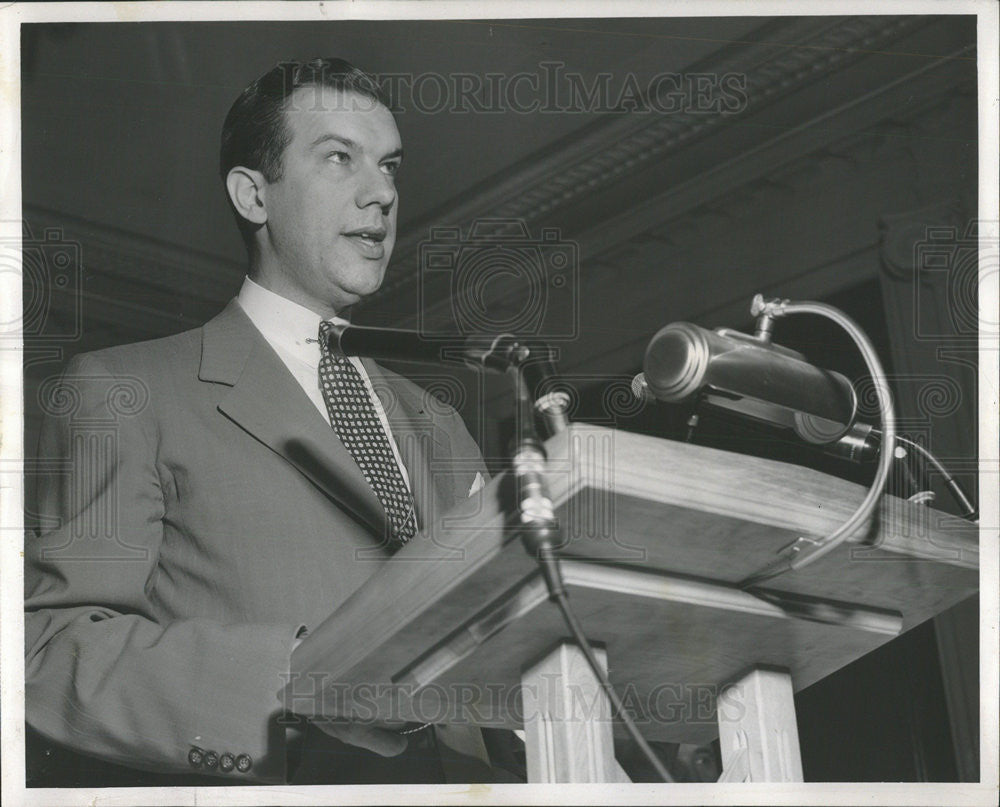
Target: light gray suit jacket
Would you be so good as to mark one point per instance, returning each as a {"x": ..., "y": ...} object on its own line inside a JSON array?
[{"x": 198, "y": 513}]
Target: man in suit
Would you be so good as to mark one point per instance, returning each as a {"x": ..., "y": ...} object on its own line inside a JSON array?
[{"x": 221, "y": 490}]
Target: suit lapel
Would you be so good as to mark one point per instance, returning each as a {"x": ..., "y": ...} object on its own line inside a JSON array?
[{"x": 269, "y": 404}]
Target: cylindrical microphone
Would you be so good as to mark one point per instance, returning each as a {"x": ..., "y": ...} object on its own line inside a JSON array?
[
  {"x": 397, "y": 344},
  {"x": 640, "y": 388},
  {"x": 394, "y": 344},
  {"x": 532, "y": 358},
  {"x": 859, "y": 444},
  {"x": 750, "y": 376}
]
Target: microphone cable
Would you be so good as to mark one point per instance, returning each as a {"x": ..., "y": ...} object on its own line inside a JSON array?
[
  {"x": 970, "y": 511},
  {"x": 538, "y": 528},
  {"x": 549, "y": 563}
]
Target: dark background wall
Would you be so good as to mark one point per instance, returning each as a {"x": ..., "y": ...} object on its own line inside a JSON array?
[{"x": 847, "y": 144}]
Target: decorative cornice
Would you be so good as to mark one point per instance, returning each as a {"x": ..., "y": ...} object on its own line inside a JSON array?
[
  {"x": 618, "y": 146},
  {"x": 839, "y": 130},
  {"x": 115, "y": 260},
  {"x": 116, "y": 252}
]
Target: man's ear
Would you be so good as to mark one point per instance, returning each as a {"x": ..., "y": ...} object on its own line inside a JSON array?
[{"x": 246, "y": 189}]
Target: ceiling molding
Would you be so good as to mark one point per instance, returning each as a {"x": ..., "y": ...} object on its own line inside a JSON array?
[
  {"x": 618, "y": 146},
  {"x": 115, "y": 253},
  {"x": 933, "y": 84},
  {"x": 136, "y": 286},
  {"x": 605, "y": 245}
]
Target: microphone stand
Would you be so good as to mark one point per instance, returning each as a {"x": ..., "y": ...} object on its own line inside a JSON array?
[{"x": 538, "y": 525}]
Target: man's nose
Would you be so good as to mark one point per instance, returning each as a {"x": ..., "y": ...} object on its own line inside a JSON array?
[{"x": 376, "y": 188}]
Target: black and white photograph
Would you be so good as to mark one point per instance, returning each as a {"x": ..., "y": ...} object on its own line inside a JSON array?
[{"x": 526, "y": 403}]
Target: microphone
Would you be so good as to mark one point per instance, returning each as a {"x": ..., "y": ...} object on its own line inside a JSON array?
[
  {"x": 640, "y": 388},
  {"x": 860, "y": 443},
  {"x": 394, "y": 344},
  {"x": 533, "y": 359},
  {"x": 397, "y": 344},
  {"x": 748, "y": 375}
]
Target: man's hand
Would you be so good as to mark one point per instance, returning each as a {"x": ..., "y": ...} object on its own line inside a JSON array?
[{"x": 384, "y": 742}]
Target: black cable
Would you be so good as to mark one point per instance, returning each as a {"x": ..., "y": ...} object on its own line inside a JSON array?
[
  {"x": 538, "y": 529},
  {"x": 549, "y": 562},
  {"x": 970, "y": 509}
]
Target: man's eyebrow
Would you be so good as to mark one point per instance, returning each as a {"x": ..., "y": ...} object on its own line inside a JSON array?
[{"x": 324, "y": 138}]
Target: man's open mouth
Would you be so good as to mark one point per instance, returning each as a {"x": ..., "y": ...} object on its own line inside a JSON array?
[
  {"x": 368, "y": 235},
  {"x": 368, "y": 241}
]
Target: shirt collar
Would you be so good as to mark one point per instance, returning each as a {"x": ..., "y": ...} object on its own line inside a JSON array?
[{"x": 283, "y": 323}]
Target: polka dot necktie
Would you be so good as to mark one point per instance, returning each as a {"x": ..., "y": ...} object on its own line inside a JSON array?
[{"x": 354, "y": 419}]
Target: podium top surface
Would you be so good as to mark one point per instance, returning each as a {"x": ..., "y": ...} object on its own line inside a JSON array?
[{"x": 655, "y": 534}]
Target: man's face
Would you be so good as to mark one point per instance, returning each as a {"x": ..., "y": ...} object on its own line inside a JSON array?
[{"x": 331, "y": 218}]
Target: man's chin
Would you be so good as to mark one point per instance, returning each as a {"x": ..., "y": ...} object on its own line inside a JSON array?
[
  {"x": 358, "y": 292},
  {"x": 368, "y": 284}
]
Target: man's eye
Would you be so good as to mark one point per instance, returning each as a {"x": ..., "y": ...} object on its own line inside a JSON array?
[
  {"x": 390, "y": 168},
  {"x": 341, "y": 157}
]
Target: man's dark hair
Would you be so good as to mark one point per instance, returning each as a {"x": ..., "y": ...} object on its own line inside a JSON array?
[{"x": 255, "y": 135}]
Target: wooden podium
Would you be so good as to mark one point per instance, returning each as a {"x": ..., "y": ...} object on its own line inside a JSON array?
[{"x": 457, "y": 628}]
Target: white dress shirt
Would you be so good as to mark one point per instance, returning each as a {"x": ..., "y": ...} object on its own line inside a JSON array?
[{"x": 293, "y": 331}]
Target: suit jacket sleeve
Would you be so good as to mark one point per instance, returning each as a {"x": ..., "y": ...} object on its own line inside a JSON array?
[{"x": 104, "y": 674}]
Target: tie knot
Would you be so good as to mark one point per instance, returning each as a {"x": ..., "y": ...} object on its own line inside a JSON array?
[{"x": 324, "y": 335}]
